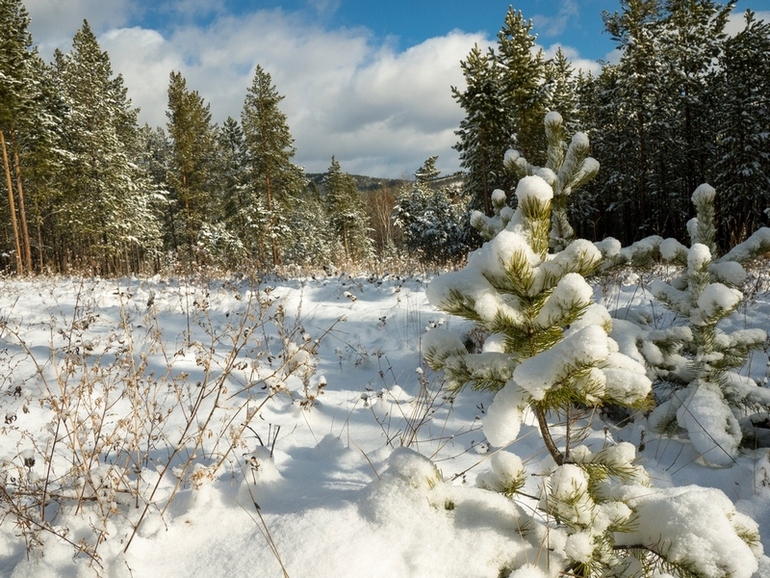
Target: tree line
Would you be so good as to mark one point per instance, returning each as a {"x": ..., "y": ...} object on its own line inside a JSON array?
[
  {"x": 86, "y": 187},
  {"x": 685, "y": 104}
]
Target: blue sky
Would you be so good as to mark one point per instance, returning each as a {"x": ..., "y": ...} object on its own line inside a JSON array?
[{"x": 368, "y": 82}]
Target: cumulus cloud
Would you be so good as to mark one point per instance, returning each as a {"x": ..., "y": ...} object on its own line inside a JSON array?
[
  {"x": 555, "y": 25},
  {"x": 737, "y": 21},
  {"x": 379, "y": 111},
  {"x": 54, "y": 22}
]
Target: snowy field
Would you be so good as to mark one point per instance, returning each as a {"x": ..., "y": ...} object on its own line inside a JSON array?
[{"x": 161, "y": 427}]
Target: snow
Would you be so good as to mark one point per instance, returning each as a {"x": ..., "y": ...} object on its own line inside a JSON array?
[
  {"x": 498, "y": 197},
  {"x": 553, "y": 118},
  {"x": 705, "y": 193},
  {"x": 698, "y": 257},
  {"x": 756, "y": 244},
  {"x": 714, "y": 431},
  {"x": 503, "y": 420},
  {"x": 539, "y": 374},
  {"x": 715, "y": 299},
  {"x": 670, "y": 249},
  {"x": 684, "y": 520},
  {"x": 533, "y": 188},
  {"x": 580, "y": 139},
  {"x": 337, "y": 494}
]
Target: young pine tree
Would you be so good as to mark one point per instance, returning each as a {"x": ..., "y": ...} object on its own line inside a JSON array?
[
  {"x": 549, "y": 355},
  {"x": 567, "y": 168},
  {"x": 696, "y": 358}
]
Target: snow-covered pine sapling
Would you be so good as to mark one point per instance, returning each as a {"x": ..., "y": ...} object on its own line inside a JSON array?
[
  {"x": 549, "y": 353},
  {"x": 696, "y": 356},
  {"x": 548, "y": 347},
  {"x": 568, "y": 168}
]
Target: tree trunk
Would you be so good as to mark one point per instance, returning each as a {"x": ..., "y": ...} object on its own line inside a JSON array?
[
  {"x": 12, "y": 204},
  {"x": 22, "y": 210}
]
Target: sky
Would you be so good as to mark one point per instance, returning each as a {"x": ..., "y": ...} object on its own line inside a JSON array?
[{"x": 367, "y": 82}]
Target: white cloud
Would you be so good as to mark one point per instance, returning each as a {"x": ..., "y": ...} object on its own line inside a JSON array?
[
  {"x": 555, "y": 25},
  {"x": 54, "y": 22},
  {"x": 380, "y": 112},
  {"x": 578, "y": 63},
  {"x": 737, "y": 21},
  {"x": 145, "y": 60}
]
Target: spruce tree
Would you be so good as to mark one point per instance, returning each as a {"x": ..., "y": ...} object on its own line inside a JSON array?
[{"x": 276, "y": 182}]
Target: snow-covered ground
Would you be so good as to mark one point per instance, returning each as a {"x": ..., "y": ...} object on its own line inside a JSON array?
[{"x": 282, "y": 428}]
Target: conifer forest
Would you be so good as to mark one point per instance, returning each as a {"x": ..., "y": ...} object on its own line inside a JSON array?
[
  {"x": 86, "y": 187},
  {"x": 553, "y": 363}
]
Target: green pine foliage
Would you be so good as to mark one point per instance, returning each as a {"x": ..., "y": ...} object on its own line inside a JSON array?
[
  {"x": 696, "y": 361},
  {"x": 106, "y": 203},
  {"x": 742, "y": 169},
  {"x": 191, "y": 169},
  {"x": 429, "y": 219},
  {"x": 275, "y": 181},
  {"x": 549, "y": 353},
  {"x": 504, "y": 103},
  {"x": 346, "y": 213},
  {"x": 567, "y": 168}
]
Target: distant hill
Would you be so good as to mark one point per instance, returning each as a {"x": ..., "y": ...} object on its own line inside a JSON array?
[
  {"x": 367, "y": 184},
  {"x": 364, "y": 183}
]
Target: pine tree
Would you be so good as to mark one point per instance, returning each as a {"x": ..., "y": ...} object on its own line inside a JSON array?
[
  {"x": 688, "y": 45},
  {"x": 346, "y": 213},
  {"x": 522, "y": 79},
  {"x": 191, "y": 170},
  {"x": 275, "y": 180},
  {"x": 430, "y": 221},
  {"x": 548, "y": 351},
  {"x": 561, "y": 91},
  {"x": 107, "y": 200},
  {"x": 696, "y": 361},
  {"x": 316, "y": 243},
  {"x": 626, "y": 119},
  {"x": 484, "y": 132},
  {"x": 568, "y": 167},
  {"x": 504, "y": 103},
  {"x": 17, "y": 91},
  {"x": 742, "y": 169}
]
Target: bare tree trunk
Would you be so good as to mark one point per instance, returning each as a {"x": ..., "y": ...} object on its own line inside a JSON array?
[
  {"x": 22, "y": 210},
  {"x": 273, "y": 242},
  {"x": 12, "y": 204}
]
